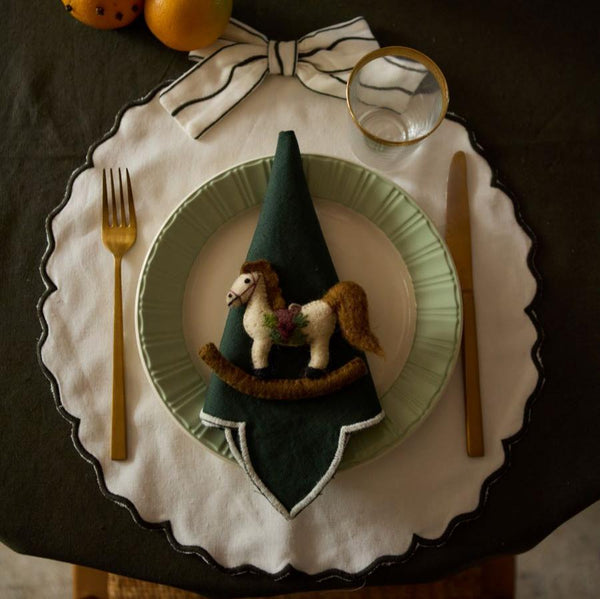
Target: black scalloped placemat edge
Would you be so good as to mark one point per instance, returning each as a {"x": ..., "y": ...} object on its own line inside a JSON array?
[{"x": 357, "y": 578}]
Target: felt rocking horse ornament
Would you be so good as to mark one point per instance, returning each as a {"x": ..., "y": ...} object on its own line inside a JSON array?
[
  {"x": 290, "y": 383},
  {"x": 268, "y": 322}
]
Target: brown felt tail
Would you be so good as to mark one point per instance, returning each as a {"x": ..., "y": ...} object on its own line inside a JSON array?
[{"x": 349, "y": 302}]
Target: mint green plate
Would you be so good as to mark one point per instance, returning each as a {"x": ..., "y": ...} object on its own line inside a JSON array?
[{"x": 162, "y": 285}]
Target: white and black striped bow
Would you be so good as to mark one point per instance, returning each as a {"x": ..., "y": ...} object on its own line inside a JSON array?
[{"x": 242, "y": 57}]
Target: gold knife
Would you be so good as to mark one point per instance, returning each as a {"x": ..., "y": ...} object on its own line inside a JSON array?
[{"x": 458, "y": 238}]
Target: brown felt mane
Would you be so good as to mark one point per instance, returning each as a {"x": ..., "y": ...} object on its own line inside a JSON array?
[{"x": 271, "y": 279}]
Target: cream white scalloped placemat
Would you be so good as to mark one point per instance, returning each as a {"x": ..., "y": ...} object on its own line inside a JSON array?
[{"x": 366, "y": 512}]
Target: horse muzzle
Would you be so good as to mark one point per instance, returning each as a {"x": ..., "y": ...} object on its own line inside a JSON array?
[{"x": 234, "y": 302}]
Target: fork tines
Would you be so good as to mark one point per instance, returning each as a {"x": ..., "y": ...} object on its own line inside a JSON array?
[{"x": 111, "y": 216}]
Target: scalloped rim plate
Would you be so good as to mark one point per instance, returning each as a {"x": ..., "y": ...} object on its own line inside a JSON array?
[{"x": 437, "y": 330}]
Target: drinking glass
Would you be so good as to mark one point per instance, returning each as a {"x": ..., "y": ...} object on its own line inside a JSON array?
[{"x": 396, "y": 97}]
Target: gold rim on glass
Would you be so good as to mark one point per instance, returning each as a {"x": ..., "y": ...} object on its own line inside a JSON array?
[{"x": 403, "y": 52}]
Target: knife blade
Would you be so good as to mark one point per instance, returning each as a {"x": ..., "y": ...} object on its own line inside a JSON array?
[{"x": 458, "y": 239}]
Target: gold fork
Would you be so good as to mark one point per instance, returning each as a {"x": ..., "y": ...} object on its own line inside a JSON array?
[{"x": 118, "y": 235}]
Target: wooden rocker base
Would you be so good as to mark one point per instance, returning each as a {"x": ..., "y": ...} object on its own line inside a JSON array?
[{"x": 285, "y": 389}]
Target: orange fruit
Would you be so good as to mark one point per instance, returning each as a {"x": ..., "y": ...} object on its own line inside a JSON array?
[
  {"x": 104, "y": 14},
  {"x": 187, "y": 24}
]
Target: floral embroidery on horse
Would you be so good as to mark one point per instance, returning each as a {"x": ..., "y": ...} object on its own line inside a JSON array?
[{"x": 286, "y": 325}]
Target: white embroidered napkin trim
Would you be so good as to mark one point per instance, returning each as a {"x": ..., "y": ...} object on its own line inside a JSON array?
[{"x": 243, "y": 458}]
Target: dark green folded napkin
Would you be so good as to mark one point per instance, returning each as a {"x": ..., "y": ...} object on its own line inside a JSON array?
[{"x": 290, "y": 449}]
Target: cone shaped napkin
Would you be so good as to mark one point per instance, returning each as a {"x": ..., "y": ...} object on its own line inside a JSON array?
[{"x": 290, "y": 449}]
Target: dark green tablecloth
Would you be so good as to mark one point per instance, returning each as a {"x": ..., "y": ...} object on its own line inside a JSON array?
[{"x": 525, "y": 75}]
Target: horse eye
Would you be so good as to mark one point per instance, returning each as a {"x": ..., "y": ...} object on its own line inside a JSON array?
[
  {"x": 229, "y": 295},
  {"x": 246, "y": 281}
]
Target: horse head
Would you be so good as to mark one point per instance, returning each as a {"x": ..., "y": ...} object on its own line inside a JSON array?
[
  {"x": 251, "y": 274},
  {"x": 242, "y": 288}
]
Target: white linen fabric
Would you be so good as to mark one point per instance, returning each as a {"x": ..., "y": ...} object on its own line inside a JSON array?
[
  {"x": 364, "y": 513},
  {"x": 230, "y": 69}
]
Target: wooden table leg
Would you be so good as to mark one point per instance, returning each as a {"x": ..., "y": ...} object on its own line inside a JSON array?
[{"x": 89, "y": 583}]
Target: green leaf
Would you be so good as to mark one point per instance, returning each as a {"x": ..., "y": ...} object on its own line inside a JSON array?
[
  {"x": 300, "y": 320},
  {"x": 276, "y": 336},
  {"x": 270, "y": 320}
]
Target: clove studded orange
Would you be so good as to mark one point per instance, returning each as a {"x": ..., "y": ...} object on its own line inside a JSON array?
[
  {"x": 187, "y": 24},
  {"x": 104, "y": 14}
]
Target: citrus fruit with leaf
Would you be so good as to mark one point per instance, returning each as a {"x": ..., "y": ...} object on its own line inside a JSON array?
[
  {"x": 187, "y": 24},
  {"x": 104, "y": 14}
]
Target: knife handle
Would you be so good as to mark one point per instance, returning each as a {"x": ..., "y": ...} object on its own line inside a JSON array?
[{"x": 473, "y": 418}]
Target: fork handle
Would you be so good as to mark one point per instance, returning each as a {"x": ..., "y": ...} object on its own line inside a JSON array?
[{"x": 118, "y": 442}]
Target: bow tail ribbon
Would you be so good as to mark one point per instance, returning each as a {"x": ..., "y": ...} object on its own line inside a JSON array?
[{"x": 229, "y": 70}]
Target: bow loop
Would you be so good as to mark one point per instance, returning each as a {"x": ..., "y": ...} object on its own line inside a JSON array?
[{"x": 229, "y": 70}]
